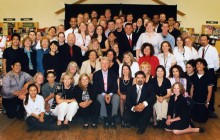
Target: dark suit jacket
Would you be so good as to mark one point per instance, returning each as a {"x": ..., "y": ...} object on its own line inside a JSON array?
[
  {"x": 159, "y": 30},
  {"x": 98, "y": 82},
  {"x": 66, "y": 57},
  {"x": 147, "y": 95},
  {"x": 78, "y": 93},
  {"x": 124, "y": 45}
]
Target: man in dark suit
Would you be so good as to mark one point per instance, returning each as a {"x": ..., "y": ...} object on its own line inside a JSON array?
[
  {"x": 139, "y": 102},
  {"x": 71, "y": 52},
  {"x": 127, "y": 41},
  {"x": 105, "y": 84}
]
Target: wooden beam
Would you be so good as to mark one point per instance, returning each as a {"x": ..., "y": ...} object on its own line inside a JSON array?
[
  {"x": 63, "y": 9},
  {"x": 162, "y": 3}
]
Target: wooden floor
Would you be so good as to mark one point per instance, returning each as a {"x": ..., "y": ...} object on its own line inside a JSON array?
[{"x": 16, "y": 130}]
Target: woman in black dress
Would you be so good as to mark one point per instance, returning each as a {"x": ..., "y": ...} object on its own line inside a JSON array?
[
  {"x": 201, "y": 91},
  {"x": 112, "y": 59},
  {"x": 178, "y": 117},
  {"x": 89, "y": 107},
  {"x": 100, "y": 35},
  {"x": 124, "y": 83},
  {"x": 52, "y": 60},
  {"x": 190, "y": 70}
]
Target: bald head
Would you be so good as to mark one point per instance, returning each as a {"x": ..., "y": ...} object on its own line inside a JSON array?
[{"x": 71, "y": 38}]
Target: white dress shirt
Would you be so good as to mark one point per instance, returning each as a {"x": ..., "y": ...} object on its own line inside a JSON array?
[
  {"x": 193, "y": 52},
  {"x": 81, "y": 42},
  {"x": 182, "y": 57},
  {"x": 70, "y": 30}
]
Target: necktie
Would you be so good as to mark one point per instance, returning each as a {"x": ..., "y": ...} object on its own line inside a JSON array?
[
  {"x": 130, "y": 41},
  {"x": 138, "y": 94},
  {"x": 105, "y": 81},
  {"x": 71, "y": 51},
  {"x": 203, "y": 53}
]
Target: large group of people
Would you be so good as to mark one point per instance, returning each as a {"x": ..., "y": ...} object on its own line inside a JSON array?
[{"x": 140, "y": 71}]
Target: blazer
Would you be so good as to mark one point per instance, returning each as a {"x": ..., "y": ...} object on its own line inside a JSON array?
[
  {"x": 86, "y": 67},
  {"x": 124, "y": 45},
  {"x": 147, "y": 95},
  {"x": 78, "y": 93},
  {"x": 98, "y": 82}
]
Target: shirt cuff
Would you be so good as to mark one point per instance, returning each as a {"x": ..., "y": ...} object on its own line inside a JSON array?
[
  {"x": 132, "y": 109},
  {"x": 145, "y": 103},
  {"x": 110, "y": 94},
  {"x": 103, "y": 94}
]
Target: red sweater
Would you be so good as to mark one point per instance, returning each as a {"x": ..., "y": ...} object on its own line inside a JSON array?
[{"x": 152, "y": 60}]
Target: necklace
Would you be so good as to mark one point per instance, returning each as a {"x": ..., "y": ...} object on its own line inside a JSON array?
[{"x": 124, "y": 82}]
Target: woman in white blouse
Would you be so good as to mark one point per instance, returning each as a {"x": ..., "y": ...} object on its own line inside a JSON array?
[
  {"x": 166, "y": 57},
  {"x": 128, "y": 59},
  {"x": 181, "y": 53},
  {"x": 193, "y": 52},
  {"x": 151, "y": 37},
  {"x": 83, "y": 38}
]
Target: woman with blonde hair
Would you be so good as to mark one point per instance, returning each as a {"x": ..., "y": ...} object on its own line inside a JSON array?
[
  {"x": 74, "y": 70},
  {"x": 94, "y": 45},
  {"x": 146, "y": 68},
  {"x": 128, "y": 59}
]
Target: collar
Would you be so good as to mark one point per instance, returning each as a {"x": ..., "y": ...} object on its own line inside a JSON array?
[
  {"x": 104, "y": 72},
  {"x": 27, "y": 51},
  {"x": 129, "y": 36},
  {"x": 206, "y": 47},
  {"x": 137, "y": 86},
  {"x": 12, "y": 74}
]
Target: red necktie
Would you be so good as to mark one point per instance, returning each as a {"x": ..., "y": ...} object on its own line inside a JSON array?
[
  {"x": 203, "y": 53},
  {"x": 71, "y": 51},
  {"x": 130, "y": 41}
]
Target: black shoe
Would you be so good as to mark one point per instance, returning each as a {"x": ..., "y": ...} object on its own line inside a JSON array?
[
  {"x": 156, "y": 126},
  {"x": 65, "y": 127},
  {"x": 94, "y": 126},
  {"x": 140, "y": 131},
  {"x": 106, "y": 126},
  {"x": 113, "y": 125},
  {"x": 86, "y": 126},
  {"x": 201, "y": 130},
  {"x": 127, "y": 125},
  {"x": 123, "y": 124}
]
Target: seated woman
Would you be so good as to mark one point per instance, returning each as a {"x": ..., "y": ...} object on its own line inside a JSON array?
[
  {"x": 146, "y": 68},
  {"x": 178, "y": 118},
  {"x": 89, "y": 107},
  {"x": 64, "y": 104},
  {"x": 112, "y": 59},
  {"x": 39, "y": 80},
  {"x": 48, "y": 90},
  {"x": 115, "y": 47},
  {"x": 124, "y": 83},
  {"x": 34, "y": 106}
]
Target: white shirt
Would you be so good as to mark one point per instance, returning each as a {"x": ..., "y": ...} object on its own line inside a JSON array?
[
  {"x": 211, "y": 56},
  {"x": 81, "y": 42},
  {"x": 182, "y": 57},
  {"x": 70, "y": 30},
  {"x": 35, "y": 107},
  {"x": 134, "y": 68},
  {"x": 156, "y": 40},
  {"x": 167, "y": 63},
  {"x": 193, "y": 52}
]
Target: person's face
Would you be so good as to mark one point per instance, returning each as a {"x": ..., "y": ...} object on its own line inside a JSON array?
[
  {"x": 156, "y": 19},
  {"x": 139, "y": 22},
  {"x": 32, "y": 36},
  {"x": 39, "y": 36},
  {"x": 85, "y": 81},
  {"x": 140, "y": 79},
  {"x": 188, "y": 42},
  {"x": 165, "y": 28},
  {"x": 127, "y": 59},
  {"x": 144, "y": 16},
  {"x": 27, "y": 43},
  {"x": 45, "y": 43},
  {"x": 122, "y": 18},
  {"x": 118, "y": 23},
  {"x": 111, "y": 37},
  {"x": 150, "y": 27},
  {"x": 52, "y": 32},
  {"x": 129, "y": 18},
  {"x": 134, "y": 25},
  {"x": 51, "y": 78},
  {"x": 102, "y": 18},
  {"x": 110, "y": 56},
  {"x": 16, "y": 68},
  {"x": 39, "y": 79},
  {"x": 73, "y": 22},
  {"x": 200, "y": 66},
  {"x": 165, "y": 47},
  {"x": 125, "y": 71},
  {"x": 67, "y": 81},
  {"x": 204, "y": 41},
  {"x": 111, "y": 26},
  {"x": 176, "y": 73},
  {"x": 92, "y": 56},
  {"x": 32, "y": 91},
  {"x": 85, "y": 17},
  {"x": 179, "y": 41},
  {"x": 128, "y": 29},
  {"x": 99, "y": 30},
  {"x": 82, "y": 27},
  {"x": 146, "y": 21},
  {"x": 162, "y": 17},
  {"x": 71, "y": 39},
  {"x": 146, "y": 70},
  {"x": 72, "y": 69},
  {"x": 103, "y": 24},
  {"x": 171, "y": 21},
  {"x": 115, "y": 48},
  {"x": 53, "y": 47},
  {"x": 15, "y": 41},
  {"x": 61, "y": 38},
  {"x": 95, "y": 21},
  {"x": 91, "y": 27},
  {"x": 94, "y": 14},
  {"x": 147, "y": 51},
  {"x": 79, "y": 18},
  {"x": 160, "y": 73},
  {"x": 107, "y": 14},
  {"x": 189, "y": 69},
  {"x": 176, "y": 25},
  {"x": 104, "y": 65},
  {"x": 176, "y": 89},
  {"x": 95, "y": 45}
]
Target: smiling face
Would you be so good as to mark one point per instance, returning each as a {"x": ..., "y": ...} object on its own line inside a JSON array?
[
  {"x": 67, "y": 80},
  {"x": 45, "y": 43},
  {"x": 51, "y": 78},
  {"x": 15, "y": 41},
  {"x": 99, "y": 30},
  {"x": 53, "y": 48},
  {"x": 179, "y": 41},
  {"x": 39, "y": 79},
  {"x": 176, "y": 73},
  {"x": 127, "y": 59},
  {"x": 160, "y": 73},
  {"x": 85, "y": 81},
  {"x": 110, "y": 55},
  {"x": 176, "y": 89},
  {"x": 189, "y": 69},
  {"x": 92, "y": 56},
  {"x": 32, "y": 92},
  {"x": 27, "y": 43},
  {"x": 16, "y": 68},
  {"x": 147, "y": 51},
  {"x": 165, "y": 47},
  {"x": 61, "y": 38},
  {"x": 150, "y": 27},
  {"x": 126, "y": 71},
  {"x": 145, "y": 69},
  {"x": 140, "y": 79}
]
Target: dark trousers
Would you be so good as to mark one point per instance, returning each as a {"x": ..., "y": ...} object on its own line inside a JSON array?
[
  {"x": 213, "y": 76},
  {"x": 139, "y": 118},
  {"x": 14, "y": 108},
  {"x": 200, "y": 113},
  {"x": 92, "y": 111}
]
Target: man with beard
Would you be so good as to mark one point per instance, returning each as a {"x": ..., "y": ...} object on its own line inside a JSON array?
[{"x": 139, "y": 102}]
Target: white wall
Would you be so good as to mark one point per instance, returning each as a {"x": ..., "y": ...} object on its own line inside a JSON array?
[{"x": 42, "y": 11}]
